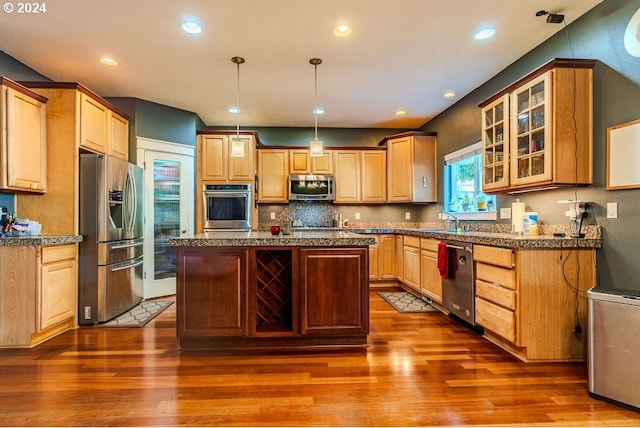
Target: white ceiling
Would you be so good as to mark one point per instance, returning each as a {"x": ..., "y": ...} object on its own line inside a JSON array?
[{"x": 402, "y": 54}]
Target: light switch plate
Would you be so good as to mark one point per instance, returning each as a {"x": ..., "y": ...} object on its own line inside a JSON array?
[
  {"x": 273, "y": 216},
  {"x": 357, "y": 216},
  {"x": 505, "y": 212},
  {"x": 407, "y": 215},
  {"x": 612, "y": 210}
]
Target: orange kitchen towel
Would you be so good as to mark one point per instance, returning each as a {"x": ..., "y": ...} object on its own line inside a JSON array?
[{"x": 443, "y": 260}]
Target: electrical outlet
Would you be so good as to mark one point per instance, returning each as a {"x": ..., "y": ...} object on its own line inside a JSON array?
[
  {"x": 612, "y": 210},
  {"x": 505, "y": 212},
  {"x": 273, "y": 216},
  {"x": 357, "y": 216},
  {"x": 407, "y": 215}
]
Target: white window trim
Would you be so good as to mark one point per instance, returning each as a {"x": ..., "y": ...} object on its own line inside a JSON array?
[{"x": 459, "y": 155}]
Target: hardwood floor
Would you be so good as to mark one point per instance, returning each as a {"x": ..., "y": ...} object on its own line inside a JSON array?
[{"x": 420, "y": 369}]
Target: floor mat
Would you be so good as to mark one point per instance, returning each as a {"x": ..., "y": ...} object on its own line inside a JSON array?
[
  {"x": 139, "y": 315},
  {"x": 405, "y": 302}
]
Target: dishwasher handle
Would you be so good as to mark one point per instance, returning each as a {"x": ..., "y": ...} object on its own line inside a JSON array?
[{"x": 458, "y": 247}]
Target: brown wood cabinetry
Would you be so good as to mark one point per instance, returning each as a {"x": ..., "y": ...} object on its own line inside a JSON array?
[
  {"x": 272, "y": 297},
  {"x": 67, "y": 133},
  {"x": 215, "y": 163},
  {"x": 382, "y": 258},
  {"x": 212, "y": 290},
  {"x": 300, "y": 162},
  {"x": 529, "y": 301},
  {"x": 118, "y": 136},
  {"x": 411, "y": 167},
  {"x": 360, "y": 176},
  {"x": 273, "y": 172},
  {"x": 411, "y": 262},
  {"x": 331, "y": 290},
  {"x": 538, "y": 132},
  {"x": 38, "y": 286},
  {"x": 23, "y": 139},
  {"x": 430, "y": 280}
]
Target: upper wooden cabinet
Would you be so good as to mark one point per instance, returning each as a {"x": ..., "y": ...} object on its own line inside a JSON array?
[
  {"x": 23, "y": 139},
  {"x": 273, "y": 172},
  {"x": 545, "y": 139},
  {"x": 70, "y": 105},
  {"x": 300, "y": 162},
  {"x": 360, "y": 176},
  {"x": 118, "y": 136},
  {"x": 215, "y": 162},
  {"x": 411, "y": 167}
]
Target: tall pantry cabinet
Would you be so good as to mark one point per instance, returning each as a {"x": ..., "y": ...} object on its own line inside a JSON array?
[{"x": 77, "y": 119}]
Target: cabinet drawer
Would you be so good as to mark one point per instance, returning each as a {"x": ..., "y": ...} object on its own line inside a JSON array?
[
  {"x": 494, "y": 255},
  {"x": 497, "y": 319},
  {"x": 429, "y": 244},
  {"x": 496, "y": 294},
  {"x": 493, "y": 274},
  {"x": 412, "y": 241},
  {"x": 58, "y": 252}
]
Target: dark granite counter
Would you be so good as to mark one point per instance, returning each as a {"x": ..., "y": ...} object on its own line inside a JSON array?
[
  {"x": 507, "y": 240},
  {"x": 39, "y": 240},
  {"x": 304, "y": 238}
]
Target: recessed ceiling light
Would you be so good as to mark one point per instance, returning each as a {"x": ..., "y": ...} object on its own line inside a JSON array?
[
  {"x": 449, "y": 94},
  {"x": 400, "y": 112},
  {"x": 234, "y": 110},
  {"x": 342, "y": 30},
  {"x": 108, "y": 61},
  {"x": 485, "y": 33},
  {"x": 191, "y": 26}
]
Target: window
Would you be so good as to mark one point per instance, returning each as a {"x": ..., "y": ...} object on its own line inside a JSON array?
[{"x": 463, "y": 185}]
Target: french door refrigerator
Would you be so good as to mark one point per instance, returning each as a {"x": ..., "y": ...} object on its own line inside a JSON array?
[{"x": 111, "y": 224}]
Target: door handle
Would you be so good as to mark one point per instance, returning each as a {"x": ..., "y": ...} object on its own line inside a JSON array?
[{"x": 125, "y": 267}]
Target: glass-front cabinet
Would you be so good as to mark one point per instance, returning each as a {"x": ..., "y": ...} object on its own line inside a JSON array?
[
  {"x": 495, "y": 144},
  {"x": 537, "y": 133},
  {"x": 531, "y": 161}
]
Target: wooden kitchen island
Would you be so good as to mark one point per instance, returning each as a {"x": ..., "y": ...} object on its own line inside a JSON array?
[{"x": 253, "y": 290}]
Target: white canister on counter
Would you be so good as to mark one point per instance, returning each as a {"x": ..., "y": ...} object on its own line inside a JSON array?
[{"x": 530, "y": 223}]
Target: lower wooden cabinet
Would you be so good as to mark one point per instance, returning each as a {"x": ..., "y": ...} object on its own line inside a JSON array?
[
  {"x": 331, "y": 285},
  {"x": 212, "y": 292},
  {"x": 272, "y": 297},
  {"x": 411, "y": 262},
  {"x": 38, "y": 293},
  {"x": 430, "y": 280},
  {"x": 529, "y": 300},
  {"x": 382, "y": 256}
]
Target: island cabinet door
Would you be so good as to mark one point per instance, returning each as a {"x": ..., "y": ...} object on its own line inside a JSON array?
[
  {"x": 211, "y": 291},
  {"x": 334, "y": 291}
]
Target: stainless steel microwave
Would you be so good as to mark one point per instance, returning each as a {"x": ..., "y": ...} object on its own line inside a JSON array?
[{"x": 311, "y": 187}]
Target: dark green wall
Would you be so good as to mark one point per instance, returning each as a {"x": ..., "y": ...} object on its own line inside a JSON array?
[{"x": 597, "y": 35}]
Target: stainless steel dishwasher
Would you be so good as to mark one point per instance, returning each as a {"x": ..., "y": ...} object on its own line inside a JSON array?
[{"x": 458, "y": 289}]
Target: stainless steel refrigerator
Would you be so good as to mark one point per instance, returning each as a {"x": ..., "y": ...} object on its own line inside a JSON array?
[{"x": 110, "y": 254}]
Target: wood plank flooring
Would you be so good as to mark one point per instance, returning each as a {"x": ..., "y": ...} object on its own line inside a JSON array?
[{"x": 420, "y": 369}]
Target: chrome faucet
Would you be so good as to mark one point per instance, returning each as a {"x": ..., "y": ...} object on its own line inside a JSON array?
[{"x": 448, "y": 220}]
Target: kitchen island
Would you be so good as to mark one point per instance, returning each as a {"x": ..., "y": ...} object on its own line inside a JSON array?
[{"x": 253, "y": 290}]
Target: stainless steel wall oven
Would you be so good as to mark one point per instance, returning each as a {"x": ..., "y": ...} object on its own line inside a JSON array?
[{"x": 227, "y": 206}]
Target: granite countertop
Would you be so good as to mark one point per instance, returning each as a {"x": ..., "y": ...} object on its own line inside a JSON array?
[
  {"x": 39, "y": 240},
  {"x": 508, "y": 240},
  {"x": 303, "y": 238}
]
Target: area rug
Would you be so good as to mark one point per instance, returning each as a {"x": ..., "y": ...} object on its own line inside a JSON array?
[
  {"x": 405, "y": 302},
  {"x": 139, "y": 315}
]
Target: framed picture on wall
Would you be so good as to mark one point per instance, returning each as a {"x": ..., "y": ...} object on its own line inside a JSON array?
[{"x": 623, "y": 156}]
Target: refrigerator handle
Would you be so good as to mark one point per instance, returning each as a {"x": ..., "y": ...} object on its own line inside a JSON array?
[{"x": 131, "y": 197}]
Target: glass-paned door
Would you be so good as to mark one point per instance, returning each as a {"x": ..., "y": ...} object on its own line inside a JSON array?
[
  {"x": 169, "y": 213},
  {"x": 530, "y": 151},
  {"x": 495, "y": 144}
]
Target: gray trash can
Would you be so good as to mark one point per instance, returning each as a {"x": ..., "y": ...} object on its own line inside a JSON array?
[{"x": 614, "y": 347}]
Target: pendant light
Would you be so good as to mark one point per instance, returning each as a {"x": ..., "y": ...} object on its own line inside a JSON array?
[
  {"x": 315, "y": 146},
  {"x": 237, "y": 146}
]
